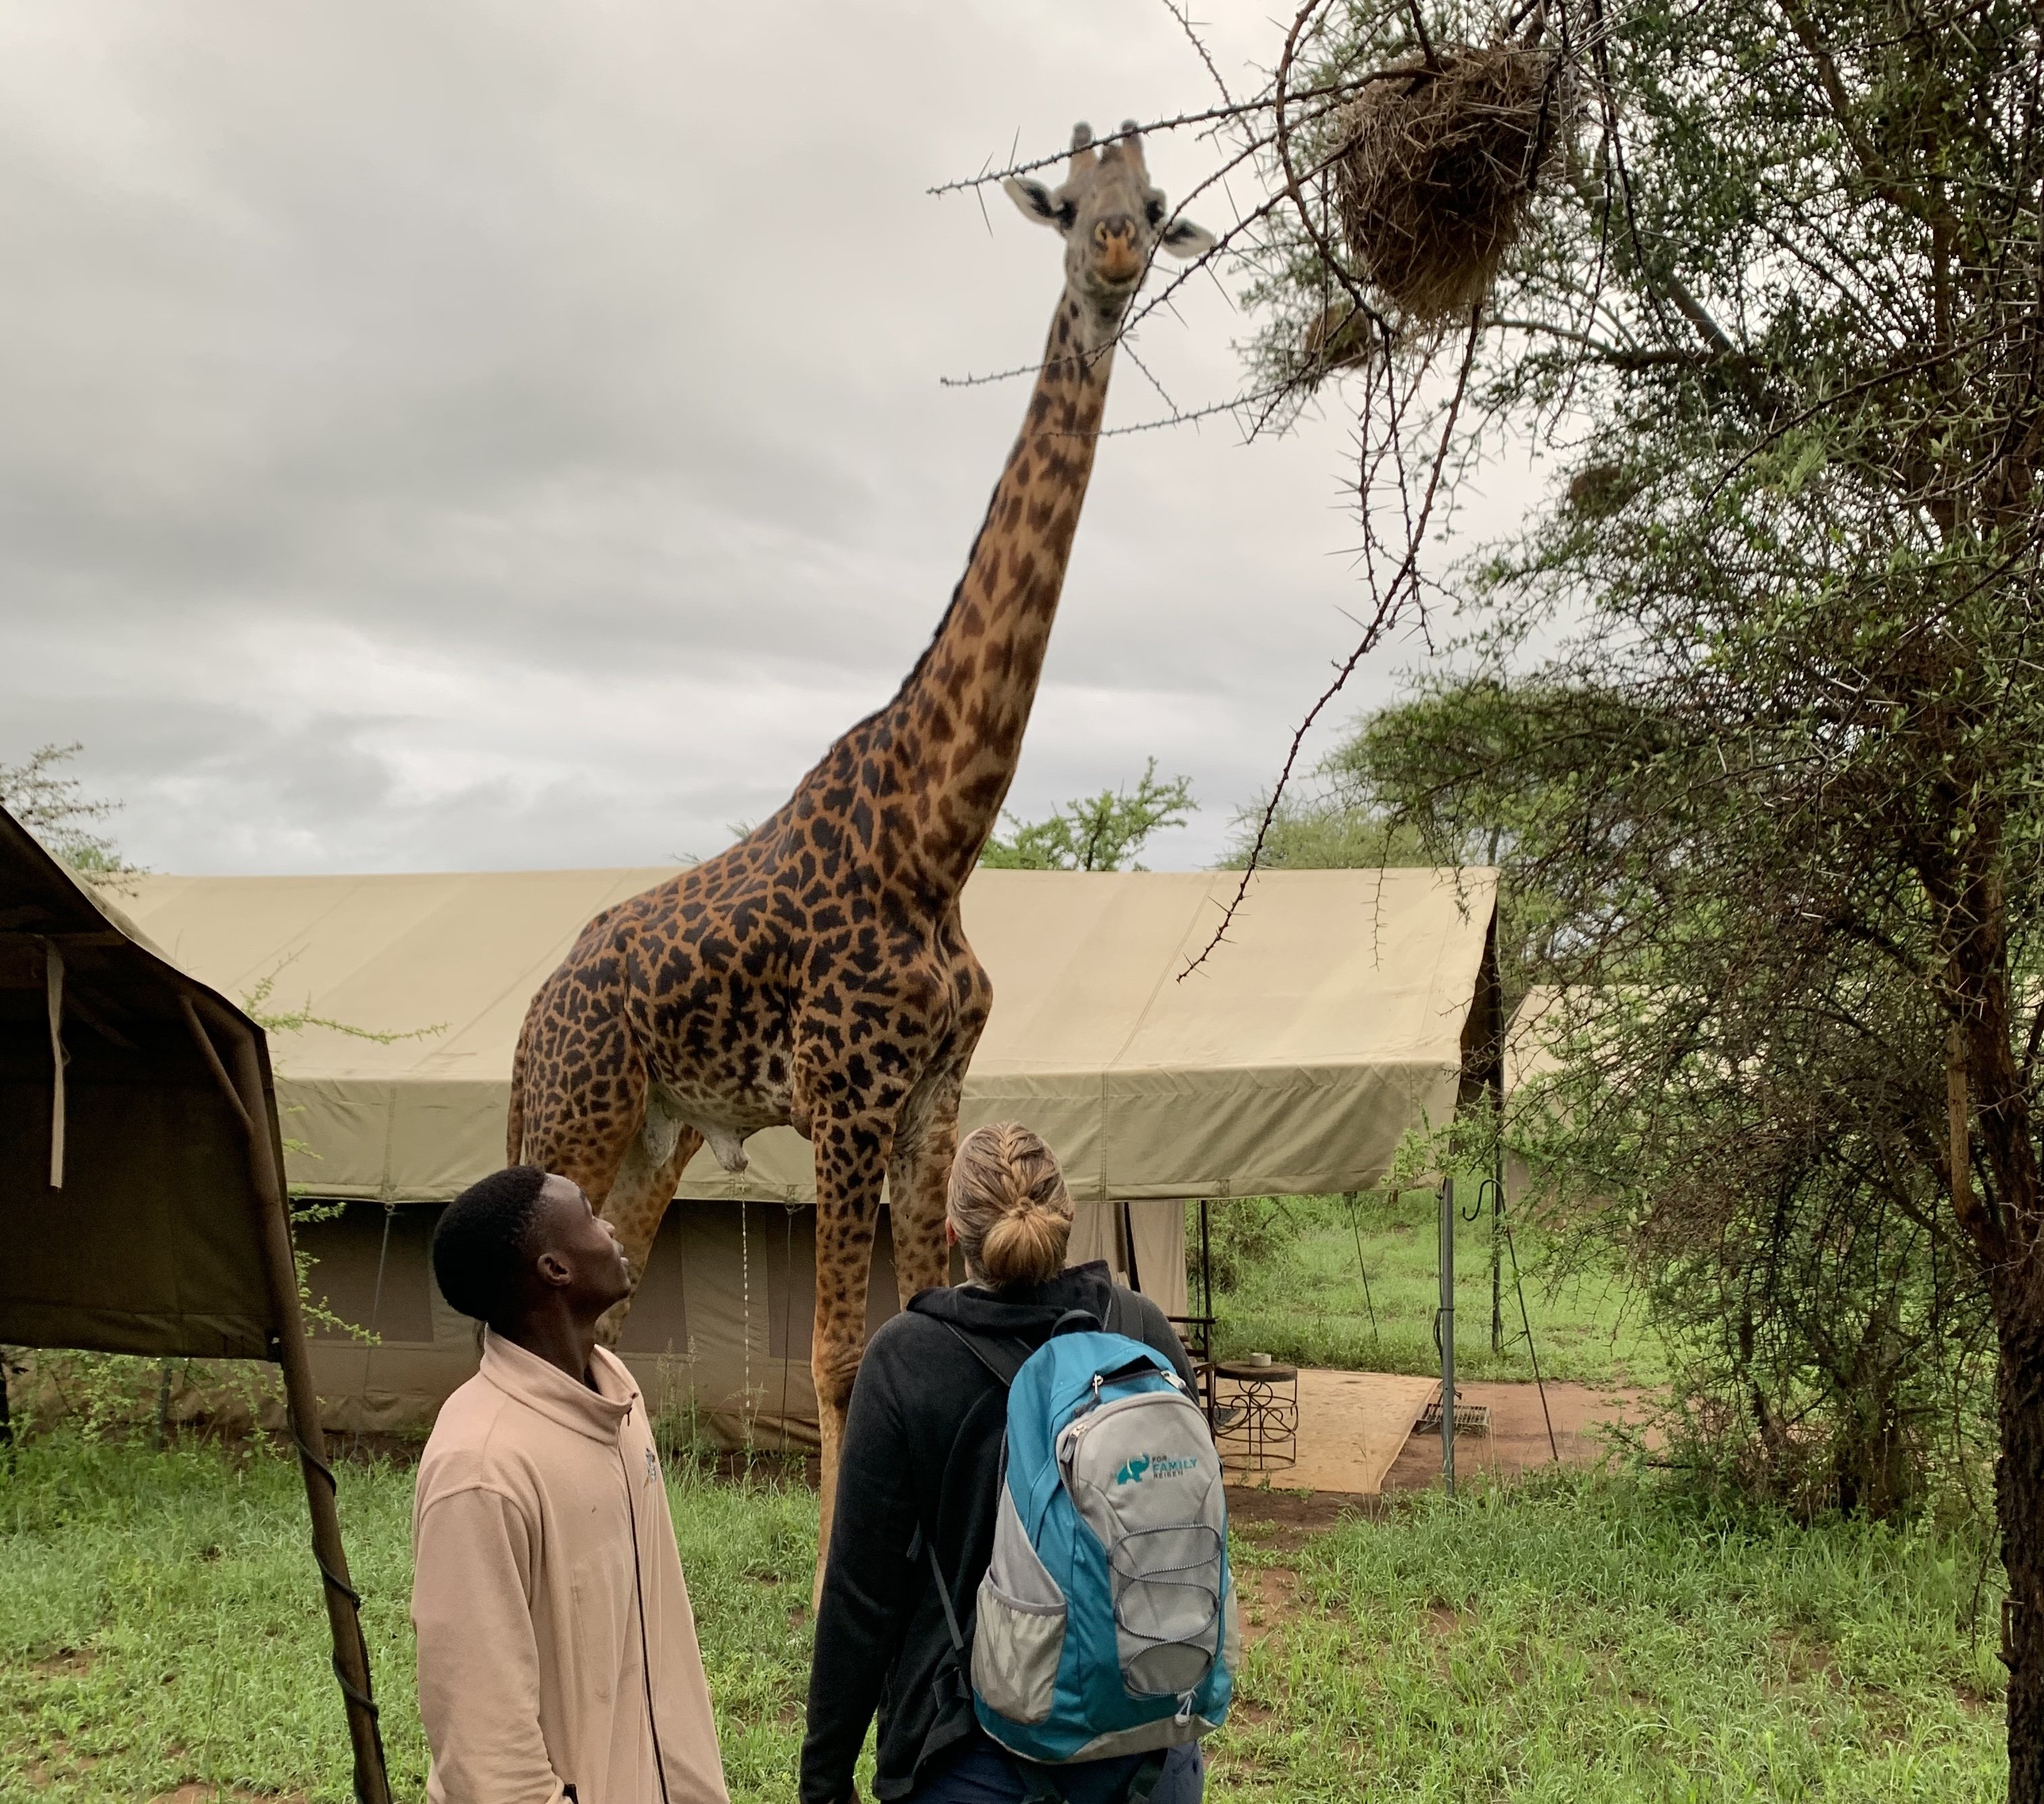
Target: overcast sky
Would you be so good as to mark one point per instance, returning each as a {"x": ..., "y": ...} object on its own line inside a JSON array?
[{"x": 452, "y": 435}]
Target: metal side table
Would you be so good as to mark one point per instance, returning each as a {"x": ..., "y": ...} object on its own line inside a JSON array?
[{"x": 1256, "y": 1408}]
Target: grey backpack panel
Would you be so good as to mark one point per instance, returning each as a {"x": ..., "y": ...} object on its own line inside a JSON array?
[
  {"x": 1144, "y": 1475},
  {"x": 1020, "y": 1636}
]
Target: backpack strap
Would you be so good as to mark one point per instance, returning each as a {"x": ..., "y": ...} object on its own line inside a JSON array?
[
  {"x": 1003, "y": 1367},
  {"x": 1004, "y": 1372},
  {"x": 944, "y": 1595}
]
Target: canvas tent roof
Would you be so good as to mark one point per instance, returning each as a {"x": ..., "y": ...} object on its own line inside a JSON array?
[
  {"x": 1529, "y": 1052},
  {"x": 150, "y": 1242},
  {"x": 1294, "y": 1060}
]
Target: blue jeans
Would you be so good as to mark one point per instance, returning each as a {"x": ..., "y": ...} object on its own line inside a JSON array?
[{"x": 984, "y": 1773}]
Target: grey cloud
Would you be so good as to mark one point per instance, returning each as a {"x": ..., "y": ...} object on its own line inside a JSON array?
[{"x": 451, "y": 434}]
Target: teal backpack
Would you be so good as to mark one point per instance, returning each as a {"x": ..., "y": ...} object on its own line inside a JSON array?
[{"x": 1106, "y": 1624}]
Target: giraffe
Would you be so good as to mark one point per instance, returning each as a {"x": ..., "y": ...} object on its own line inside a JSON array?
[{"x": 816, "y": 973}]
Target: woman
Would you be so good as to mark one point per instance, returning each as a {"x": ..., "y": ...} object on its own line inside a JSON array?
[{"x": 922, "y": 1458}]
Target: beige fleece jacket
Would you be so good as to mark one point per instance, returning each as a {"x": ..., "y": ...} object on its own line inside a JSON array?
[{"x": 531, "y": 1685}]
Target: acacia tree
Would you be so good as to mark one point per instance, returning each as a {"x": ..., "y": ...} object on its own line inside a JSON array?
[
  {"x": 56, "y": 809},
  {"x": 1782, "y": 320},
  {"x": 1094, "y": 833}
]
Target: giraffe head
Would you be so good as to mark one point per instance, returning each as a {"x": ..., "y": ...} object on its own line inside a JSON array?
[{"x": 1112, "y": 221}]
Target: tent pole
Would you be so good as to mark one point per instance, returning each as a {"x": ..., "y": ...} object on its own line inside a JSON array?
[
  {"x": 1446, "y": 1321},
  {"x": 287, "y": 1348},
  {"x": 1491, "y": 1000},
  {"x": 1206, "y": 1260},
  {"x": 53, "y": 987}
]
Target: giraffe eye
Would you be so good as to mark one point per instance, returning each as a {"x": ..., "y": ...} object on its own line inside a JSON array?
[
  {"x": 1067, "y": 215},
  {"x": 1153, "y": 210}
]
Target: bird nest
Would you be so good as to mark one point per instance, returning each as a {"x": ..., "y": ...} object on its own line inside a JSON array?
[{"x": 1436, "y": 168}]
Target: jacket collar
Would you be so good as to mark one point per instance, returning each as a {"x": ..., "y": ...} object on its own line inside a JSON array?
[
  {"x": 1027, "y": 1311},
  {"x": 542, "y": 1386}
]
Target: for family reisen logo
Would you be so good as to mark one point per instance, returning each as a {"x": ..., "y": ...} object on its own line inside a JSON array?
[{"x": 1156, "y": 1465}]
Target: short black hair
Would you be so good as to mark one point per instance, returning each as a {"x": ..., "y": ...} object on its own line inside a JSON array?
[{"x": 483, "y": 1240}]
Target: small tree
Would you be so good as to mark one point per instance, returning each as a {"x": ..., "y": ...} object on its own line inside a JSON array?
[
  {"x": 56, "y": 809},
  {"x": 1094, "y": 833},
  {"x": 1378, "y": 802}
]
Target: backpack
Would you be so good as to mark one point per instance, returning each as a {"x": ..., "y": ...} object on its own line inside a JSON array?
[{"x": 1106, "y": 1624}]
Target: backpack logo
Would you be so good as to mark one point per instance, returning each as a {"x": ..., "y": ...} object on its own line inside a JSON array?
[{"x": 1153, "y": 1465}]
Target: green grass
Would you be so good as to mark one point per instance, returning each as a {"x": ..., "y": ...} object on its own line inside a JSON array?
[
  {"x": 1296, "y": 1294},
  {"x": 1587, "y": 1638},
  {"x": 160, "y": 1623},
  {"x": 1580, "y": 1638}
]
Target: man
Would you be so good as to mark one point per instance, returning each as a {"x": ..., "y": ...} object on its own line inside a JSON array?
[{"x": 557, "y": 1649}]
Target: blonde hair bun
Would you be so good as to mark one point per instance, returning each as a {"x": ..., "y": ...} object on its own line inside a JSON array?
[{"x": 1010, "y": 1206}]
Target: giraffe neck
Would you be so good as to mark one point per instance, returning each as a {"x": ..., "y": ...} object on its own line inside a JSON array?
[{"x": 964, "y": 708}]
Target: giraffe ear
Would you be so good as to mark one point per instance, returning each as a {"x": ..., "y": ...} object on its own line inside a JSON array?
[
  {"x": 1186, "y": 240},
  {"x": 1038, "y": 202}
]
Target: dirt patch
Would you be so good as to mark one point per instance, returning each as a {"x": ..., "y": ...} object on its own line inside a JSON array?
[
  {"x": 1269, "y": 1599},
  {"x": 1803, "y": 1660},
  {"x": 1283, "y": 1519},
  {"x": 56, "y": 1761},
  {"x": 66, "y": 1663},
  {"x": 1517, "y": 1440},
  {"x": 195, "y": 1791},
  {"x": 1977, "y": 1700}
]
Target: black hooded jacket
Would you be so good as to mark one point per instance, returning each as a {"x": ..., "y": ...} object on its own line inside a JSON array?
[{"x": 922, "y": 1456}]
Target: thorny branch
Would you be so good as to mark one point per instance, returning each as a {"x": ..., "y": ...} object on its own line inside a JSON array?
[
  {"x": 1390, "y": 599},
  {"x": 1322, "y": 323},
  {"x": 1285, "y": 132}
]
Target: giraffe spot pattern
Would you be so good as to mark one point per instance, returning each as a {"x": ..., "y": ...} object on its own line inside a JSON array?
[{"x": 816, "y": 973}]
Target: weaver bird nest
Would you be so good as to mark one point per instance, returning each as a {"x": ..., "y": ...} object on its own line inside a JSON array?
[{"x": 1437, "y": 167}]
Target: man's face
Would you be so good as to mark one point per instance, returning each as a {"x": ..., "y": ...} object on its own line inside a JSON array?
[{"x": 576, "y": 1252}]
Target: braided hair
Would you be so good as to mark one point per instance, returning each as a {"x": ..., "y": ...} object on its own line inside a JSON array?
[{"x": 1009, "y": 1203}]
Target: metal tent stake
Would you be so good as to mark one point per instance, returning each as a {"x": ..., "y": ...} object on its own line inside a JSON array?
[{"x": 1445, "y": 1328}]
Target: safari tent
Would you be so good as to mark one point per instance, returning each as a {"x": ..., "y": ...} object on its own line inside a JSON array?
[
  {"x": 1340, "y": 1013},
  {"x": 141, "y": 1201}
]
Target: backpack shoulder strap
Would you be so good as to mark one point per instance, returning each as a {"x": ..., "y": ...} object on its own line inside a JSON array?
[{"x": 996, "y": 1356}]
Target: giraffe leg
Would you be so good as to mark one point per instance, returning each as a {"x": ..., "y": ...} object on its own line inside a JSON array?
[
  {"x": 918, "y": 1175},
  {"x": 851, "y": 1158},
  {"x": 635, "y": 1205}
]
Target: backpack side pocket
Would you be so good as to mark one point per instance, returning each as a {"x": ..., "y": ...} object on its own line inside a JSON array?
[{"x": 1020, "y": 1635}]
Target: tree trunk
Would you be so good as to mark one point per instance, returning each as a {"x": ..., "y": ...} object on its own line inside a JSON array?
[{"x": 2019, "y": 1504}]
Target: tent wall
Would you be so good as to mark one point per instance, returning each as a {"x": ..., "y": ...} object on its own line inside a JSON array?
[
  {"x": 1297, "y": 1060},
  {"x": 1143, "y": 1244},
  {"x": 722, "y": 1321},
  {"x": 151, "y": 1244},
  {"x": 1333, "y": 1023}
]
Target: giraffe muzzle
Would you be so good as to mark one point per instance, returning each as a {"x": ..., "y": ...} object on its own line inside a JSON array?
[{"x": 1118, "y": 253}]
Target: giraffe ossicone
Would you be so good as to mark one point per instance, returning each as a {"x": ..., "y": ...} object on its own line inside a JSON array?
[{"x": 816, "y": 973}]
